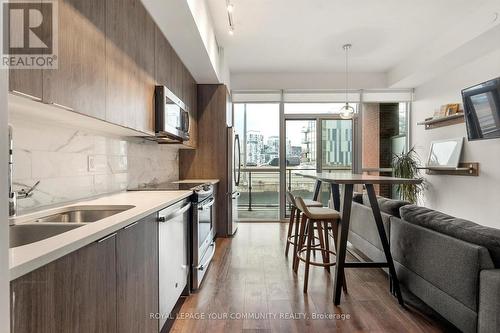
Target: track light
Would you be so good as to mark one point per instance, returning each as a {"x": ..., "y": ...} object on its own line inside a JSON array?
[{"x": 230, "y": 9}]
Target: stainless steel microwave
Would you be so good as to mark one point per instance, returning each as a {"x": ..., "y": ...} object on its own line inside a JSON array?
[{"x": 171, "y": 117}]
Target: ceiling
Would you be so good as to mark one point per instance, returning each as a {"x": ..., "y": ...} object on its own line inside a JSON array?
[{"x": 307, "y": 35}]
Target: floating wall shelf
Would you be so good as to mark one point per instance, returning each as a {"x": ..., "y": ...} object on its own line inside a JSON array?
[
  {"x": 464, "y": 169},
  {"x": 443, "y": 121}
]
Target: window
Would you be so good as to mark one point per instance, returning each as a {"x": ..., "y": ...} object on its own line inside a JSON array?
[
  {"x": 258, "y": 127},
  {"x": 257, "y": 124}
]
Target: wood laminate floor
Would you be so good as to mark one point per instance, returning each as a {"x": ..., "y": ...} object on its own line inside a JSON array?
[{"x": 250, "y": 287}]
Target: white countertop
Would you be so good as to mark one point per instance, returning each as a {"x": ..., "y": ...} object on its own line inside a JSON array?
[
  {"x": 195, "y": 181},
  {"x": 24, "y": 259}
]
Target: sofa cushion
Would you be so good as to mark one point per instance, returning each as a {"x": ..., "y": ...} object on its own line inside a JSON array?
[
  {"x": 450, "y": 264},
  {"x": 455, "y": 227},
  {"x": 363, "y": 224},
  {"x": 388, "y": 206}
]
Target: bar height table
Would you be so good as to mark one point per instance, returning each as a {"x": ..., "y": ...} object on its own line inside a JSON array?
[{"x": 348, "y": 180}]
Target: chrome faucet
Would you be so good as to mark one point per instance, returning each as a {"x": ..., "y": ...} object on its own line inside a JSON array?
[{"x": 14, "y": 195}]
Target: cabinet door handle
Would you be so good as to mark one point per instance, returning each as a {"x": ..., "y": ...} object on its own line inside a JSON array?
[
  {"x": 64, "y": 107},
  {"x": 131, "y": 225},
  {"x": 13, "y": 314},
  {"x": 175, "y": 213},
  {"x": 106, "y": 238},
  {"x": 202, "y": 267},
  {"x": 208, "y": 205},
  {"x": 18, "y": 93}
]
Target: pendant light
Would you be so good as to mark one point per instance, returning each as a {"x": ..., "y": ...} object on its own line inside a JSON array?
[{"x": 347, "y": 111}]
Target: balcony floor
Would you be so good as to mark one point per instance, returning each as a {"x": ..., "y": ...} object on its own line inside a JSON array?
[{"x": 258, "y": 214}]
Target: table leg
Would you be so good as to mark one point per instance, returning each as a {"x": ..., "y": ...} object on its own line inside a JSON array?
[
  {"x": 383, "y": 238},
  {"x": 336, "y": 196},
  {"x": 342, "y": 244},
  {"x": 317, "y": 188}
]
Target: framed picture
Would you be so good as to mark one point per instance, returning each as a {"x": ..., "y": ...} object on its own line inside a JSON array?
[
  {"x": 441, "y": 112},
  {"x": 451, "y": 109}
]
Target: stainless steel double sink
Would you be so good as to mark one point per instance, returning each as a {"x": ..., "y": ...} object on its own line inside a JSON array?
[{"x": 59, "y": 221}]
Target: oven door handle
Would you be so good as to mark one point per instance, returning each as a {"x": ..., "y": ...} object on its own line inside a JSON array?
[
  {"x": 175, "y": 214},
  {"x": 203, "y": 266},
  {"x": 208, "y": 205}
]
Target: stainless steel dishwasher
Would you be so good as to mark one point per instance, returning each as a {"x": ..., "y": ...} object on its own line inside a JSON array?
[{"x": 173, "y": 256}]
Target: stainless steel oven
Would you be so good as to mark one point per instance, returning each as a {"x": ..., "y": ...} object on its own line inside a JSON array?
[
  {"x": 201, "y": 229},
  {"x": 203, "y": 244}
]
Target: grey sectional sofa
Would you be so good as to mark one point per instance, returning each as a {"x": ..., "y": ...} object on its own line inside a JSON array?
[{"x": 452, "y": 265}]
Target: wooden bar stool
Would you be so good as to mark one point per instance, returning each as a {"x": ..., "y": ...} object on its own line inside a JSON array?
[
  {"x": 320, "y": 218},
  {"x": 295, "y": 219}
]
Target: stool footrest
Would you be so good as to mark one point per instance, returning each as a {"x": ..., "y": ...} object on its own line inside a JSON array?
[
  {"x": 291, "y": 241},
  {"x": 315, "y": 263},
  {"x": 365, "y": 264}
]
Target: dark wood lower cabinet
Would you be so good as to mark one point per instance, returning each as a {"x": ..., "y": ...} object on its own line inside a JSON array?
[
  {"x": 137, "y": 276},
  {"x": 108, "y": 286},
  {"x": 76, "y": 293}
]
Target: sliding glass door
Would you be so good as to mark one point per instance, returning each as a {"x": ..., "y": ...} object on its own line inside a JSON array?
[
  {"x": 301, "y": 154},
  {"x": 315, "y": 138},
  {"x": 318, "y": 143}
]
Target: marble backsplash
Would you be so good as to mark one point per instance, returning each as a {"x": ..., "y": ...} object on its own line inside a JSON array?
[{"x": 72, "y": 164}]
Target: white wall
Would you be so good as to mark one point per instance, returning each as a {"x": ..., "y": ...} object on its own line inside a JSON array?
[
  {"x": 264, "y": 81},
  {"x": 4, "y": 225},
  {"x": 203, "y": 20},
  {"x": 473, "y": 198}
]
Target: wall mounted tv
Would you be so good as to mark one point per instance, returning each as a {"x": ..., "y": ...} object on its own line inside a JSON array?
[{"x": 482, "y": 110}]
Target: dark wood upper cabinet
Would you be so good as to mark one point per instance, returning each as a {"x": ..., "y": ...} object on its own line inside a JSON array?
[
  {"x": 26, "y": 81},
  {"x": 76, "y": 293},
  {"x": 177, "y": 75},
  {"x": 163, "y": 60},
  {"x": 130, "y": 45},
  {"x": 191, "y": 93},
  {"x": 137, "y": 276},
  {"x": 171, "y": 72},
  {"x": 110, "y": 56},
  {"x": 80, "y": 80}
]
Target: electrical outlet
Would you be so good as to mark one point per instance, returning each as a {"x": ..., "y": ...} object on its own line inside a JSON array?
[
  {"x": 97, "y": 163},
  {"x": 91, "y": 163}
]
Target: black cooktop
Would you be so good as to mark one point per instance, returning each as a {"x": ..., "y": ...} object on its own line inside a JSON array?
[
  {"x": 201, "y": 191},
  {"x": 169, "y": 186}
]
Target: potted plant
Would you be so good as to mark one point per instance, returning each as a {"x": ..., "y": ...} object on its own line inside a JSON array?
[{"x": 405, "y": 165}]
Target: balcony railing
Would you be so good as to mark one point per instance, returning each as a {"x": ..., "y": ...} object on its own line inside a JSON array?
[{"x": 260, "y": 188}]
